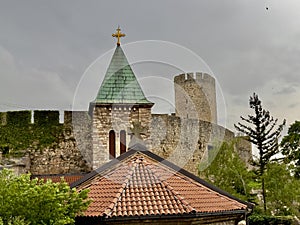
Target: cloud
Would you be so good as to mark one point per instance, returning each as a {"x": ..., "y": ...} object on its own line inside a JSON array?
[
  {"x": 46, "y": 46},
  {"x": 30, "y": 88},
  {"x": 285, "y": 90},
  {"x": 294, "y": 105}
]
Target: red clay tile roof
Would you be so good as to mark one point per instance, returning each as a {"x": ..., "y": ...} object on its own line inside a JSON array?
[
  {"x": 69, "y": 178},
  {"x": 139, "y": 185}
]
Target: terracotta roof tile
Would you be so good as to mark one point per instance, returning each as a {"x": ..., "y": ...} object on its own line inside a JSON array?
[
  {"x": 69, "y": 178},
  {"x": 138, "y": 185}
]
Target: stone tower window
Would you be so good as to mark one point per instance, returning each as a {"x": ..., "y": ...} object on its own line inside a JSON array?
[
  {"x": 112, "y": 144},
  {"x": 122, "y": 141}
]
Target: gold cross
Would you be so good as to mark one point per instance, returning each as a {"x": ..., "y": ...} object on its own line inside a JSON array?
[{"x": 118, "y": 34}]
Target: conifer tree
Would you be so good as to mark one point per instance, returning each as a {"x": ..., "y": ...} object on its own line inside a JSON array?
[{"x": 262, "y": 132}]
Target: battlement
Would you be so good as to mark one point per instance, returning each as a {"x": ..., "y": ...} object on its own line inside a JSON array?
[
  {"x": 40, "y": 117},
  {"x": 199, "y": 77},
  {"x": 181, "y": 78},
  {"x": 205, "y": 77}
]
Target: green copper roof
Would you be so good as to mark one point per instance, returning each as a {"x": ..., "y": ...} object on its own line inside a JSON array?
[{"x": 120, "y": 84}]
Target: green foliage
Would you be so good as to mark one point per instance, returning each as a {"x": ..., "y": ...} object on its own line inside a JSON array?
[
  {"x": 260, "y": 219},
  {"x": 18, "y": 134},
  {"x": 283, "y": 192},
  {"x": 14, "y": 221},
  {"x": 261, "y": 131},
  {"x": 227, "y": 171},
  {"x": 39, "y": 202},
  {"x": 291, "y": 147}
]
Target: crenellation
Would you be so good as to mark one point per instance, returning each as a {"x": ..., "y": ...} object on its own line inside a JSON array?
[
  {"x": 204, "y": 77},
  {"x": 3, "y": 117}
]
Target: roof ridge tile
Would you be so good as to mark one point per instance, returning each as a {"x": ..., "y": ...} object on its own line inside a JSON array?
[{"x": 123, "y": 188}]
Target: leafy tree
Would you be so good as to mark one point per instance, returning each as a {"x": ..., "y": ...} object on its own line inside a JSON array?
[
  {"x": 262, "y": 132},
  {"x": 38, "y": 202},
  {"x": 226, "y": 170},
  {"x": 291, "y": 147},
  {"x": 283, "y": 190},
  {"x": 14, "y": 221}
]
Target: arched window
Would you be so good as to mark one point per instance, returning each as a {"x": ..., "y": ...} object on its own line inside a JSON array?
[
  {"x": 112, "y": 144},
  {"x": 122, "y": 141}
]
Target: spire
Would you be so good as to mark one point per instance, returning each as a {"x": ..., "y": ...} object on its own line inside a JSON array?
[{"x": 120, "y": 84}]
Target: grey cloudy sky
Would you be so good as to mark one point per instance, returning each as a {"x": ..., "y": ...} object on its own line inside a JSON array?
[{"x": 46, "y": 46}]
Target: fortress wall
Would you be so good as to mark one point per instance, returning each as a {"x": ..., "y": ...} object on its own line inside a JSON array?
[
  {"x": 78, "y": 124},
  {"x": 63, "y": 157},
  {"x": 185, "y": 141},
  {"x": 244, "y": 149},
  {"x": 72, "y": 152},
  {"x": 50, "y": 146}
]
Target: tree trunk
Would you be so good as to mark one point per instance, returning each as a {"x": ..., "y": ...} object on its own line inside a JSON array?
[{"x": 264, "y": 194}]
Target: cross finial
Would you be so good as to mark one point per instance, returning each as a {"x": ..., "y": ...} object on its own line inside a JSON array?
[{"x": 118, "y": 35}]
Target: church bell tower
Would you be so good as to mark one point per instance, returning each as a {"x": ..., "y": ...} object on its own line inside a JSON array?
[{"x": 119, "y": 109}]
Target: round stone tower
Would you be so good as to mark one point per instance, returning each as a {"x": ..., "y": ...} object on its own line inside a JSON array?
[{"x": 195, "y": 96}]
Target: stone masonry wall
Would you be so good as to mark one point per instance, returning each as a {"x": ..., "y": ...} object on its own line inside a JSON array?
[
  {"x": 185, "y": 141},
  {"x": 195, "y": 96},
  {"x": 243, "y": 148},
  {"x": 62, "y": 158},
  {"x": 72, "y": 152},
  {"x": 78, "y": 125},
  {"x": 44, "y": 145},
  {"x": 116, "y": 117}
]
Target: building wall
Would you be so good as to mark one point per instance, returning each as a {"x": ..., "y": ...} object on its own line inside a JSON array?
[
  {"x": 116, "y": 117},
  {"x": 208, "y": 220}
]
